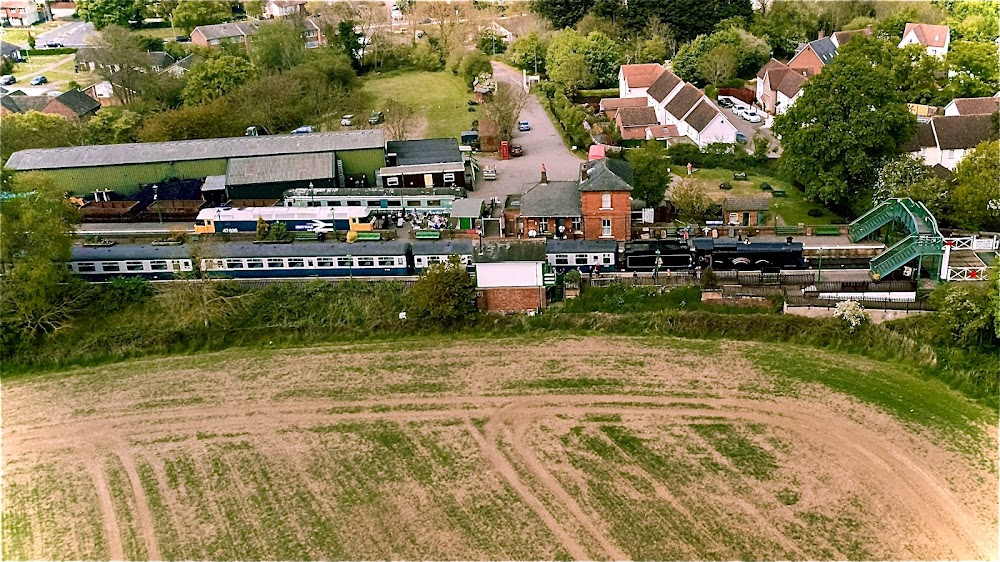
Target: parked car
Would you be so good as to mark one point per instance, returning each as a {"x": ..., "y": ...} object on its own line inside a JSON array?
[
  {"x": 752, "y": 116},
  {"x": 490, "y": 173},
  {"x": 741, "y": 138},
  {"x": 304, "y": 129},
  {"x": 39, "y": 80},
  {"x": 7, "y": 80},
  {"x": 53, "y": 93},
  {"x": 376, "y": 118},
  {"x": 54, "y": 45},
  {"x": 523, "y": 126},
  {"x": 347, "y": 121},
  {"x": 726, "y": 101},
  {"x": 516, "y": 150}
]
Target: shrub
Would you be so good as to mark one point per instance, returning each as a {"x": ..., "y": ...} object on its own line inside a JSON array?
[
  {"x": 852, "y": 314},
  {"x": 445, "y": 296},
  {"x": 709, "y": 280},
  {"x": 572, "y": 276},
  {"x": 725, "y": 185},
  {"x": 815, "y": 212}
]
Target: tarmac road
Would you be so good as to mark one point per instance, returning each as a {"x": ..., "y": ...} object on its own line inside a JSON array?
[{"x": 71, "y": 35}]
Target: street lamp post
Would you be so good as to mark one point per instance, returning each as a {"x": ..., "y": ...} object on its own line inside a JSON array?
[
  {"x": 480, "y": 232},
  {"x": 656, "y": 270},
  {"x": 350, "y": 266},
  {"x": 312, "y": 195},
  {"x": 159, "y": 212}
]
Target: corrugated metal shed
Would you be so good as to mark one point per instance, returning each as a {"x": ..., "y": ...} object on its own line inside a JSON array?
[
  {"x": 202, "y": 149},
  {"x": 282, "y": 168},
  {"x": 470, "y": 208}
]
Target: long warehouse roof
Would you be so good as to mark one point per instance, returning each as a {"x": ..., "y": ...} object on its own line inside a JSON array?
[{"x": 202, "y": 149}]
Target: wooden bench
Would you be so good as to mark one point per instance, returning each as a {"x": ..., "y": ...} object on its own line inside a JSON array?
[
  {"x": 305, "y": 235},
  {"x": 779, "y": 193},
  {"x": 831, "y": 230},
  {"x": 786, "y": 230},
  {"x": 363, "y": 236},
  {"x": 742, "y": 176},
  {"x": 427, "y": 234}
]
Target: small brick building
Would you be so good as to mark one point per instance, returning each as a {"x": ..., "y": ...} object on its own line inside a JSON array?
[{"x": 510, "y": 277}]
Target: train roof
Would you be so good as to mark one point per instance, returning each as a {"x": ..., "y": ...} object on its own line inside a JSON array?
[
  {"x": 282, "y": 213},
  {"x": 306, "y": 249},
  {"x": 442, "y": 247},
  {"x": 652, "y": 245},
  {"x": 709, "y": 244},
  {"x": 120, "y": 252},
  {"x": 574, "y": 246}
]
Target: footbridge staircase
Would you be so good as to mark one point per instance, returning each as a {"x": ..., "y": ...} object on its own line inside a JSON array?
[{"x": 922, "y": 236}]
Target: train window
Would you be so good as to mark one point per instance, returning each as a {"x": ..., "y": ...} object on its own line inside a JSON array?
[
  {"x": 335, "y": 203},
  {"x": 344, "y": 262},
  {"x": 86, "y": 267},
  {"x": 111, "y": 266},
  {"x": 433, "y": 259},
  {"x": 230, "y": 264},
  {"x": 255, "y": 263},
  {"x": 375, "y": 203},
  {"x": 386, "y": 262},
  {"x": 581, "y": 259},
  {"x": 353, "y": 203},
  {"x": 562, "y": 259},
  {"x": 275, "y": 262},
  {"x": 434, "y": 203},
  {"x": 606, "y": 258},
  {"x": 413, "y": 204},
  {"x": 324, "y": 262},
  {"x": 158, "y": 265},
  {"x": 296, "y": 262},
  {"x": 366, "y": 262},
  {"x": 392, "y": 203},
  {"x": 133, "y": 266}
]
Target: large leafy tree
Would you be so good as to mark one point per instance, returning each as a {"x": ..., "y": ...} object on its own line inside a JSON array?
[
  {"x": 975, "y": 70},
  {"x": 917, "y": 73},
  {"x": 349, "y": 41},
  {"x": 748, "y": 51},
  {"x": 528, "y": 53},
  {"x": 277, "y": 47},
  {"x": 976, "y": 198},
  {"x": 34, "y": 246},
  {"x": 189, "y": 14},
  {"x": 114, "y": 125},
  {"x": 786, "y": 25},
  {"x": 603, "y": 59},
  {"x": 103, "y": 13},
  {"x": 850, "y": 119},
  {"x": 652, "y": 172},
  {"x": 562, "y": 13},
  {"x": 444, "y": 295},
  {"x": 33, "y": 129},
  {"x": 212, "y": 78},
  {"x": 566, "y": 60},
  {"x": 505, "y": 107},
  {"x": 122, "y": 59}
]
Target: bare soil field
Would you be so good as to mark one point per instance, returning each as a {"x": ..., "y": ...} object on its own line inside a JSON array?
[{"x": 559, "y": 448}]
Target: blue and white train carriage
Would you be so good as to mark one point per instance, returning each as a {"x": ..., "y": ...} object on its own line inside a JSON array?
[
  {"x": 430, "y": 252},
  {"x": 584, "y": 255},
  {"x": 100, "y": 263},
  {"x": 363, "y": 259}
]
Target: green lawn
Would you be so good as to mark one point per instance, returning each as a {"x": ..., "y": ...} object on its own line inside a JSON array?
[
  {"x": 19, "y": 36},
  {"x": 164, "y": 33},
  {"x": 792, "y": 209},
  {"x": 439, "y": 98},
  {"x": 58, "y": 75}
]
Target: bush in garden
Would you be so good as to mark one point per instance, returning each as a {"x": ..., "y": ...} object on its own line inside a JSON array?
[{"x": 851, "y": 313}]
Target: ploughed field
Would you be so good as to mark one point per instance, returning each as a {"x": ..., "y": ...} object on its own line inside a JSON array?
[{"x": 564, "y": 447}]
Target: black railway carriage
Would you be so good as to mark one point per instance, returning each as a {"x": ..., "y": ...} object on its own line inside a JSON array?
[
  {"x": 728, "y": 255},
  {"x": 100, "y": 263},
  {"x": 564, "y": 255},
  {"x": 367, "y": 259},
  {"x": 429, "y": 252}
]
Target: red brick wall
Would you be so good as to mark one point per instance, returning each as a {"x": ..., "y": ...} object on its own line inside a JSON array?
[
  {"x": 56, "y": 107},
  {"x": 199, "y": 39},
  {"x": 512, "y": 299},
  {"x": 620, "y": 214},
  {"x": 807, "y": 59}
]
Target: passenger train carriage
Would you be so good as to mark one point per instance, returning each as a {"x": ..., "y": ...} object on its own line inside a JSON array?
[
  {"x": 150, "y": 262},
  {"x": 364, "y": 259},
  {"x": 564, "y": 255},
  {"x": 429, "y": 252},
  {"x": 223, "y": 220}
]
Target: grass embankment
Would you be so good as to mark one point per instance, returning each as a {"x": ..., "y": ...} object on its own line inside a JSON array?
[
  {"x": 438, "y": 99},
  {"x": 121, "y": 322}
]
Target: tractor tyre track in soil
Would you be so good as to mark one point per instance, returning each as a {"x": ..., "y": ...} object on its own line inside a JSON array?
[{"x": 875, "y": 462}]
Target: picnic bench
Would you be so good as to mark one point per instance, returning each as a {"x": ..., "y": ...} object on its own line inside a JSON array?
[
  {"x": 368, "y": 236},
  {"x": 742, "y": 176},
  {"x": 827, "y": 230},
  {"x": 786, "y": 230},
  {"x": 779, "y": 193},
  {"x": 427, "y": 234},
  {"x": 304, "y": 235}
]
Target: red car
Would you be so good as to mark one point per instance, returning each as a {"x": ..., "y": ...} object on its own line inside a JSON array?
[{"x": 516, "y": 150}]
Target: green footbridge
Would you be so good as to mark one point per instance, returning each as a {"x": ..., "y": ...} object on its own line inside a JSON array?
[{"x": 922, "y": 237}]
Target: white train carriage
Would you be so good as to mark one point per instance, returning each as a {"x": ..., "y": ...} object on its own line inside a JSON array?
[
  {"x": 430, "y": 252},
  {"x": 363, "y": 259},
  {"x": 564, "y": 255},
  {"x": 101, "y": 263}
]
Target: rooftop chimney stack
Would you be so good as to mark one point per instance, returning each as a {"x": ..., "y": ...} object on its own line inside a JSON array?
[
  {"x": 583, "y": 172},
  {"x": 545, "y": 178},
  {"x": 822, "y": 34}
]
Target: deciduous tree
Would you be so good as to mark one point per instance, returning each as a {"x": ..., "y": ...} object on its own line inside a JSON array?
[
  {"x": 189, "y": 14},
  {"x": 277, "y": 47},
  {"x": 444, "y": 295},
  {"x": 850, "y": 119},
  {"x": 652, "y": 172},
  {"x": 103, "y": 13},
  {"x": 114, "y": 125},
  {"x": 528, "y": 53},
  {"x": 33, "y": 129},
  {"x": 718, "y": 65},
  {"x": 603, "y": 58},
  {"x": 565, "y": 61},
  {"x": 689, "y": 198},
  {"x": 400, "y": 119},
  {"x": 504, "y": 108},
  {"x": 121, "y": 59},
  {"x": 214, "y": 77},
  {"x": 976, "y": 198}
]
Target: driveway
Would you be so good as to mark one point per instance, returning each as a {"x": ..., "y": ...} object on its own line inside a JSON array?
[
  {"x": 747, "y": 128},
  {"x": 542, "y": 145},
  {"x": 72, "y": 35}
]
